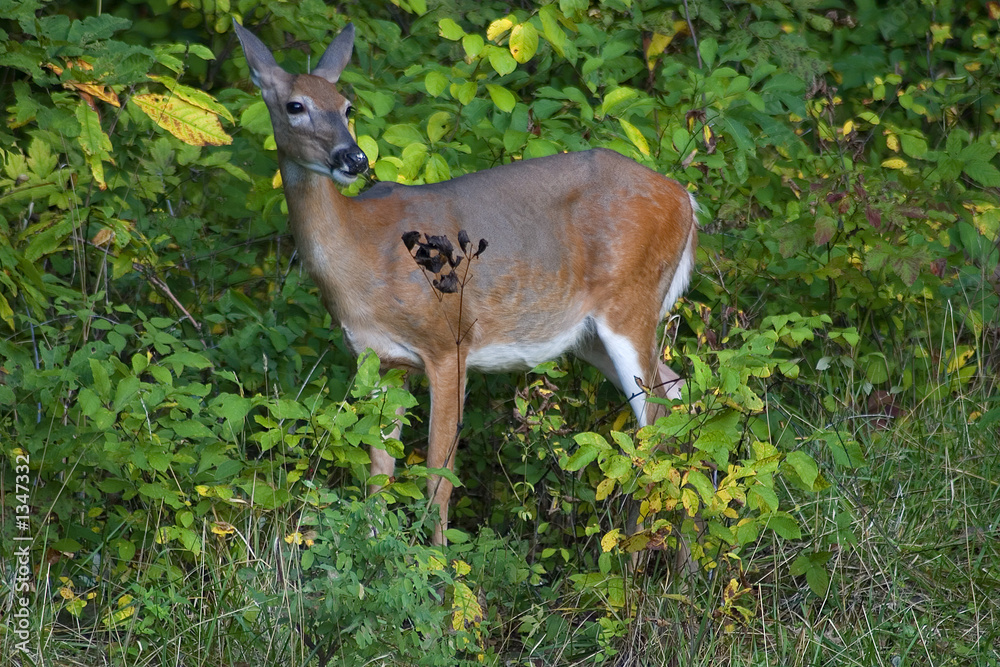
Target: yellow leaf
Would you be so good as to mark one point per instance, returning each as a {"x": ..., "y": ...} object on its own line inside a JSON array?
[
  {"x": 848, "y": 127},
  {"x": 101, "y": 92},
  {"x": 461, "y": 567},
  {"x": 498, "y": 28},
  {"x": 466, "y": 610},
  {"x": 690, "y": 500},
  {"x": 892, "y": 141},
  {"x": 610, "y": 540},
  {"x": 957, "y": 362},
  {"x": 636, "y": 542},
  {"x": 291, "y": 538},
  {"x": 894, "y": 163},
  {"x": 74, "y": 607},
  {"x": 198, "y": 98},
  {"x": 523, "y": 42},
  {"x": 276, "y": 180},
  {"x": 189, "y": 123},
  {"x": 604, "y": 488},
  {"x": 657, "y": 45},
  {"x": 636, "y": 137},
  {"x": 67, "y": 593},
  {"x": 940, "y": 33},
  {"x": 97, "y": 170},
  {"x": 224, "y": 528}
]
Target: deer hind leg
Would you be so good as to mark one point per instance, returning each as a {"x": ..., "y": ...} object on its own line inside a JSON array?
[
  {"x": 629, "y": 360},
  {"x": 629, "y": 363},
  {"x": 447, "y": 381}
]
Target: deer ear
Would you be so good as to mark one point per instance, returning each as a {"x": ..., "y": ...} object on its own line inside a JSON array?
[
  {"x": 259, "y": 58},
  {"x": 337, "y": 55}
]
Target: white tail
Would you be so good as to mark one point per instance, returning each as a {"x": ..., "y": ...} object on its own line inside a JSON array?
[{"x": 587, "y": 252}]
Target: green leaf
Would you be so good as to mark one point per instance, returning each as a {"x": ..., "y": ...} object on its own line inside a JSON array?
[
  {"x": 762, "y": 498},
  {"x": 876, "y": 370},
  {"x": 616, "y": 101},
  {"x": 983, "y": 173},
  {"x": 502, "y": 61},
  {"x": 380, "y": 102},
  {"x": 473, "y": 45},
  {"x": 287, "y": 408},
  {"x": 549, "y": 15},
  {"x": 95, "y": 143},
  {"x": 402, "y": 135},
  {"x": 616, "y": 466},
  {"x": 435, "y": 83},
  {"x": 47, "y": 237},
  {"x": 980, "y": 151},
  {"x": 913, "y": 144},
  {"x": 502, "y": 98},
  {"x": 784, "y": 525},
  {"x": 819, "y": 581},
  {"x": 438, "y": 125},
  {"x": 407, "y": 488},
  {"x": 498, "y": 27},
  {"x": 804, "y": 466},
  {"x": 102, "y": 383},
  {"x": 624, "y": 442},
  {"x": 450, "y": 30},
  {"x": 436, "y": 169},
  {"x": 591, "y": 444},
  {"x": 370, "y": 147},
  {"x": 125, "y": 390},
  {"x": 580, "y": 458},
  {"x": 67, "y": 545},
  {"x": 464, "y": 92},
  {"x": 702, "y": 484},
  {"x": 708, "y": 48}
]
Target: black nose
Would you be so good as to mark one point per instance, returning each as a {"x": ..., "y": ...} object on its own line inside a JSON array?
[{"x": 351, "y": 160}]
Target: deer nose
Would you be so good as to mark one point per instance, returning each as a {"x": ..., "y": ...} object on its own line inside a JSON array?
[{"x": 351, "y": 160}]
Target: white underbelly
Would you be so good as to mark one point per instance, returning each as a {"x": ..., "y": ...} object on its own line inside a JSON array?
[
  {"x": 488, "y": 358},
  {"x": 388, "y": 349},
  {"x": 523, "y": 355}
]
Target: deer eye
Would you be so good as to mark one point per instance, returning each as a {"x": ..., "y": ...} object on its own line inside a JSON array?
[
  {"x": 294, "y": 107},
  {"x": 349, "y": 111}
]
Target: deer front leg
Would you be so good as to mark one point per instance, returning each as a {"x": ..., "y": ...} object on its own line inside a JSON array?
[
  {"x": 447, "y": 381},
  {"x": 382, "y": 463}
]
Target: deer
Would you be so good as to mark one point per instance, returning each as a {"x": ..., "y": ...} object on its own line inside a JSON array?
[{"x": 587, "y": 253}]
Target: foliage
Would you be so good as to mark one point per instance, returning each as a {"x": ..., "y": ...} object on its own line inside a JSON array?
[
  {"x": 378, "y": 598},
  {"x": 184, "y": 402}
]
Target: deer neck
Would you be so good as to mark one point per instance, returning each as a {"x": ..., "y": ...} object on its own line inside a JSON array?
[{"x": 324, "y": 224}]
